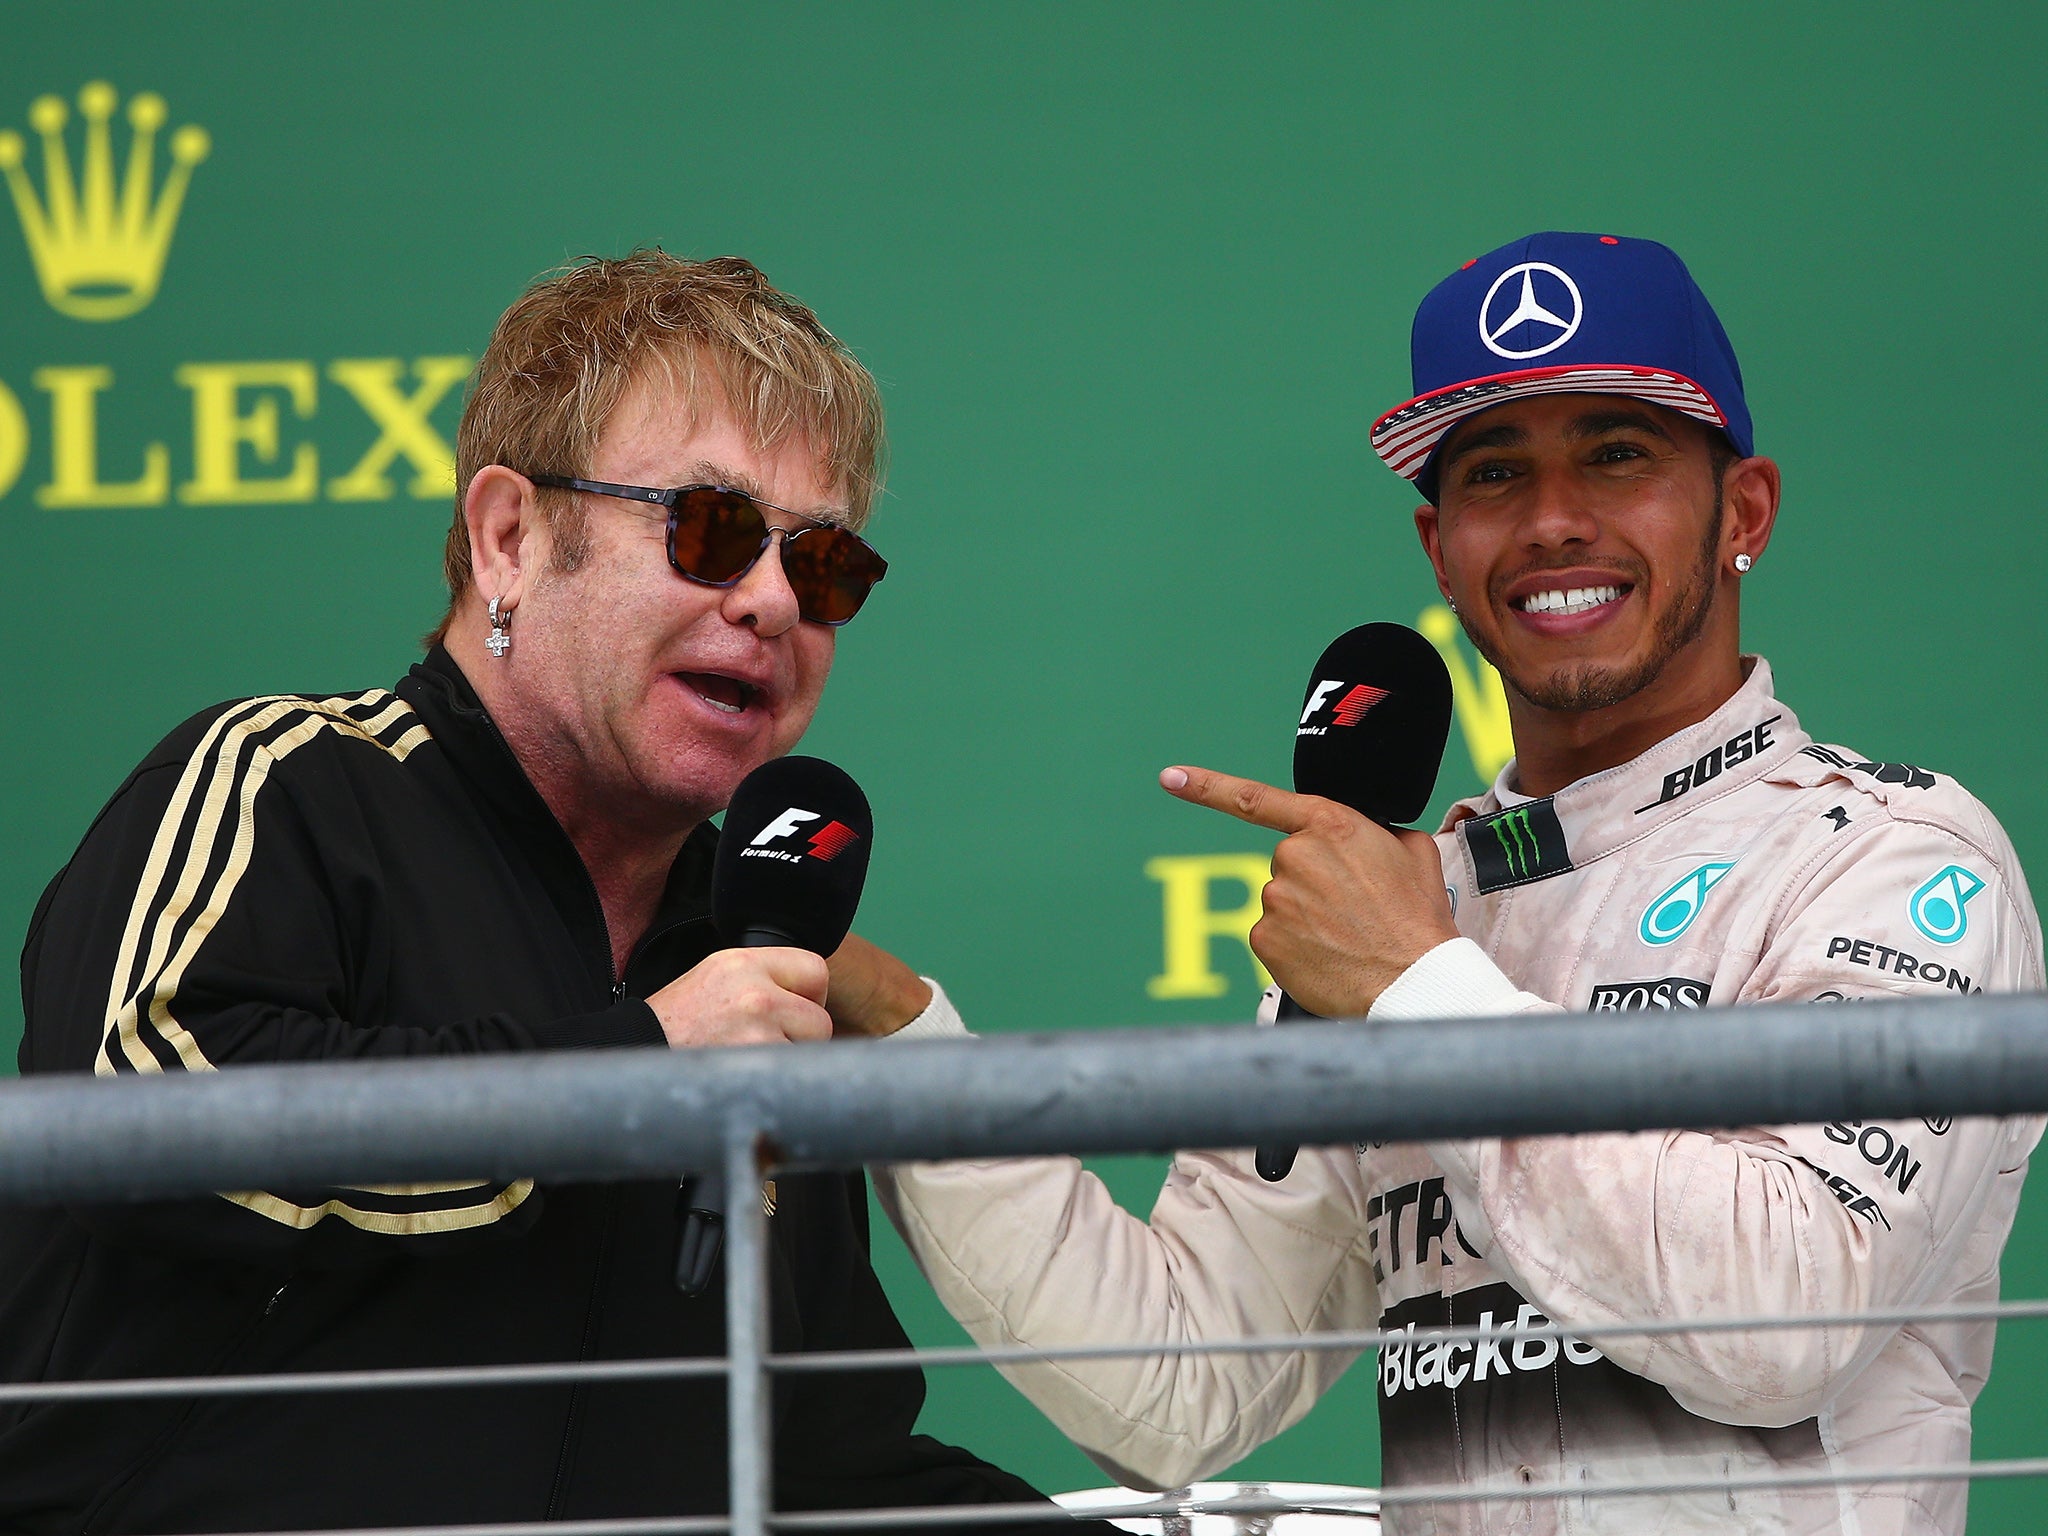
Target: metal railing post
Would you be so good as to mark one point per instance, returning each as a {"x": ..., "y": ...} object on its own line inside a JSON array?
[{"x": 748, "y": 1425}]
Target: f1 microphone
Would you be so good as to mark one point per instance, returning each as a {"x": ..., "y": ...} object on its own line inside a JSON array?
[
  {"x": 792, "y": 858},
  {"x": 1374, "y": 723}
]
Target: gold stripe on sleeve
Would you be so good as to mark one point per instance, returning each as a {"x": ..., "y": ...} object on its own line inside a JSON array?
[
  {"x": 229, "y": 769},
  {"x": 122, "y": 983},
  {"x": 388, "y": 1223},
  {"x": 237, "y": 755}
]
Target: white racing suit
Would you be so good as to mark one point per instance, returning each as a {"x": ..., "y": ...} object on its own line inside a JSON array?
[{"x": 1735, "y": 862}]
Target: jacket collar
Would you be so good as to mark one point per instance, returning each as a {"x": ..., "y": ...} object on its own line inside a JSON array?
[
  {"x": 1742, "y": 741},
  {"x": 438, "y": 689}
]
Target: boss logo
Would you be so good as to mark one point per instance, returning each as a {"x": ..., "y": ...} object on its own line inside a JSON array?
[{"x": 1667, "y": 993}]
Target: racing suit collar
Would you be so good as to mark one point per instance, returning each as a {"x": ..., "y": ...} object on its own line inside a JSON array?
[{"x": 1746, "y": 738}]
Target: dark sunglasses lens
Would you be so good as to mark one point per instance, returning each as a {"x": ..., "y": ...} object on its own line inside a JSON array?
[
  {"x": 831, "y": 571},
  {"x": 715, "y": 535}
]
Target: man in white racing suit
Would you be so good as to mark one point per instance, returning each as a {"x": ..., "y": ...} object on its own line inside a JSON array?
[{"x": 1667, "y": 839}]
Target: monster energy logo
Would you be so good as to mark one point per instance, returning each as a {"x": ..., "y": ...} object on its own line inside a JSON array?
[
  {"x": 1518, "y": 843},
  {"x": 1515, "y": 846}
]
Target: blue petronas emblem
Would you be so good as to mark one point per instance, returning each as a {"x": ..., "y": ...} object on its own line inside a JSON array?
[
  {"x": 1939, "y": 908},
  {"x": 1673, "y": 912}
]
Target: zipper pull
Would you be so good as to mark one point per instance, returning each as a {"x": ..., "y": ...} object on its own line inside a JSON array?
[{"x": 619, "y": 991}]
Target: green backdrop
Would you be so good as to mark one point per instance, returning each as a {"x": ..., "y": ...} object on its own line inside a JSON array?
[{"x": 1135, "y": 280}]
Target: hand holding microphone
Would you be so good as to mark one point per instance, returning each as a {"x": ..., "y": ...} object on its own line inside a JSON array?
[
  {"x": 792, "y": 858},
  {"x": 745, "y": 997},
  {"x": 1351, "y": 903}
]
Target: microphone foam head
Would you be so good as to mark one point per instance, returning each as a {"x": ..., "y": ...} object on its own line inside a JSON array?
[
  {"x": 1374, "y": 723},
  {"x": 792, "y": 856}
]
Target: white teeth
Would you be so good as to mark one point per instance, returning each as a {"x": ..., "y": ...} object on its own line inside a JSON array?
[
  {"x": 730, "y": 709},
  {"x": 1577, "y": 600}
]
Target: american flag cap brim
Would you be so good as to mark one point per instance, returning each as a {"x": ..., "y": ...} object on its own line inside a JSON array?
[{"x": 1407, "y": 435}]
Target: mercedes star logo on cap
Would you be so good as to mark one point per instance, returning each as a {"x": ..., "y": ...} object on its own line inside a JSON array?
[{"x": 1529, "y": 309}]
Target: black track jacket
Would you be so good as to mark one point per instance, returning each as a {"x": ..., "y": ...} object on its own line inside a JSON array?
[{"x": 311, "y": 879}]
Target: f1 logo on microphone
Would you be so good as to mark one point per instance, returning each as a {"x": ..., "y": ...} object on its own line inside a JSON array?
[
  {"x": 1347, "y": 711},
  {"x": 827, "y": 843},
  {"x": 831, "y": 840}
]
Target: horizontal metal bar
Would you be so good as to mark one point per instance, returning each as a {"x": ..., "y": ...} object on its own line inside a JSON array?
[
  {"x": 653, "y": 1113},
  {"x": 1432, "y": 1493},
  {"x": 656, "y": 1525},
  {"x": 677, "y": 1366},
  {"x": 1237, "y": 1504},
  {"x": 386, "y": 1379},
  {"x": 1374, "y": 1338},
  {"x": 1754, "y": 1482}
]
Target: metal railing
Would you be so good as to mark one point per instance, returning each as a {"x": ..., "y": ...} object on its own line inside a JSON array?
[{"x": 643, "y": 1114}]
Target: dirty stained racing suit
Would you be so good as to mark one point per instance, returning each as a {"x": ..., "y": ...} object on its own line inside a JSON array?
[{"x": 1735, "y": 862}]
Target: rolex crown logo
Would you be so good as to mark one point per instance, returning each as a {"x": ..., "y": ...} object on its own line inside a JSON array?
[{"x": 99, "y": 249}]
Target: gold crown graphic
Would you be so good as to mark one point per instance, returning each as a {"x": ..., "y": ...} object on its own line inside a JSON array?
[{"x": 98, "y": 251}]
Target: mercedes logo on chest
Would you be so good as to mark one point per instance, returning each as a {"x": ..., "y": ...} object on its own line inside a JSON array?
[{"x": 1536, "y": 294}]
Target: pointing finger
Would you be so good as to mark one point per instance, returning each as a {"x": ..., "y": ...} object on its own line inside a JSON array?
[{"x": 1262, "y": 805}]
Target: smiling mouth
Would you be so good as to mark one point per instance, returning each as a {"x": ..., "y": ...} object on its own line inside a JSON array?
[
  {"x": 1570, "y": 601},
  {"x": 726, "y": 694}
]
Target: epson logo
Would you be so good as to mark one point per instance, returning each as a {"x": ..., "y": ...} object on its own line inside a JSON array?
[{"x": 1669, "y": 992}]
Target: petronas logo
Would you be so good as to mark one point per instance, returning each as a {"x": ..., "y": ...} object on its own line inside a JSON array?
[
  {"x": 1518, "y": 844},
  {"x": 99, "y": 244},
  {"x": 1939, "y": 908},
  {"x": 1673, "y": 912}
]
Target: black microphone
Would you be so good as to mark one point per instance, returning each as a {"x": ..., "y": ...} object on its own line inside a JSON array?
[
  {"x": 1374, "y": 723},
  {"x": 792, "y": 857}
]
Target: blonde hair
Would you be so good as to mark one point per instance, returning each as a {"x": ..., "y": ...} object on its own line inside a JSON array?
[{"x": 563, "y": 356}]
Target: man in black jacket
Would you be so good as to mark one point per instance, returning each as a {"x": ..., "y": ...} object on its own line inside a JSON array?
[{"x": 661, "y": 468}]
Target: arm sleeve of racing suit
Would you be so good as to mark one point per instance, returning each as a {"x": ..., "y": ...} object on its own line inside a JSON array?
[
  {"x": 199, "y": 927},
  {"x": 1034, "y": 1251},
  {"x": 1781, "y": 1220}
]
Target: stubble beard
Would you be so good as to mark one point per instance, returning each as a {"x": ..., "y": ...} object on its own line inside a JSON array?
[{"x": 1573, "y": 690}]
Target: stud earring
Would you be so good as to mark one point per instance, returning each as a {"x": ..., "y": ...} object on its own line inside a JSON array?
[
  {"x": 1742, "y": 565},
  {"x": 499, "y": 642}
]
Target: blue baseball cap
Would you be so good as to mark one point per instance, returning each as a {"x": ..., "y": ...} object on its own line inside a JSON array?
[{"x": 1562, "y": 314}]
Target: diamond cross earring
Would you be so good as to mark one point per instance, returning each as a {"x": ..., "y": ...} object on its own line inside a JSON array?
[{"x": 499, "y": 642}]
